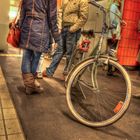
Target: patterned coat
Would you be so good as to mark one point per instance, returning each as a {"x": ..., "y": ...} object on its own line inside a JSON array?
[
  {"x": 37, "y": 19},
  {"x": 73, "y": 13}
]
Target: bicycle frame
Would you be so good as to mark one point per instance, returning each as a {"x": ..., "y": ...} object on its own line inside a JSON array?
[
  {"x": 99, "y": 45},
  {"x": 96, "y": 53},
  {"x": 104, "y": 29}
]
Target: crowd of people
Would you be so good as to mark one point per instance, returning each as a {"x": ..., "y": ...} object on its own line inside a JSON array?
[{"x": 43, "y": 24}]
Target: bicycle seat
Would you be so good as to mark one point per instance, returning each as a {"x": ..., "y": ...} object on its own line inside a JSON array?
[{"x": 89, "y": 33}]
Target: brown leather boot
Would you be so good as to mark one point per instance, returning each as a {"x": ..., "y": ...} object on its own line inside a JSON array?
[{"x": 30, "y": 86}]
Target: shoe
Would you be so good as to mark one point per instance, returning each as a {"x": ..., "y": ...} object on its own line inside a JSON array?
[
  {"x": 136, "y": 95},
  {"x": 109, "y": 73},
  {"x": 44, "y": 74},
  {"x": 31, "y": 86},
  {"x": 39, "y": 75}
]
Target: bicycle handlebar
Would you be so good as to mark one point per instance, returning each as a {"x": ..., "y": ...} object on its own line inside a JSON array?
[
  {"x": 104, "y": 10},
  {"x": 93, "y": 2}
]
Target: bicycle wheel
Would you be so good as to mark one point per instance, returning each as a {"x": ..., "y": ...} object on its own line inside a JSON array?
[{"x": 93, "y": 97}]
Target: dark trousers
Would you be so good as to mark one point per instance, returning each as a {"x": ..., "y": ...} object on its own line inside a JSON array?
[{"x": 69, "y": 42}]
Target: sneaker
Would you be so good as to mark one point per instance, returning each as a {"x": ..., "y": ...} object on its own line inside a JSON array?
[
  {"x": 109, "y": 73},
  {"x": 39, "y": 75},
  {"x": 112, "y": 52},
  {"x": 44, "y": 74}
]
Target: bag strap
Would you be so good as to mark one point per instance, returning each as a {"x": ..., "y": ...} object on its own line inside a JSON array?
[{"x": 19, "y": 8}]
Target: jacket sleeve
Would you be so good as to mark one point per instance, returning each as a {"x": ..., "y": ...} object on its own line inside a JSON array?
[
  {"x": 83, "y": 16},
  {"x": 22, "y": 14},
  {"x": 114, "y": 20},
  {"x": 52, "y": 20},
  {"x": 60, "y": 13}
]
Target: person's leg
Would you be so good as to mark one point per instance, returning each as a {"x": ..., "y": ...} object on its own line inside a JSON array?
[
  {"x": 39, "y": 68},
  {"x": 56, "y": 57},
  {"x": 26, "y": 61},
  {"x": 71, "y": 42},
  {"x": 112, "y": 45},
  {"x": 35, "y": 61},
  {"x": 35, "y": 64},
  {"x": 28, "y": 77}
]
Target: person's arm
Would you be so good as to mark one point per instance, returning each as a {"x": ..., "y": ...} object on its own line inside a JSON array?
[
  {"x": 113, "y": 21},
  {"x": 22, "y": 14},
  {"x": 52, "y": 20},
  {"x": 59, "y": 20},
  {"x": 83, "y": 16}
]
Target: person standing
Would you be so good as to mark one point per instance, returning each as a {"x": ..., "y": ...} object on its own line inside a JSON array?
[
  {"x": 37, "y": 19},
  {"x": 72, "y": 16},
  {"x": 114, "y": 34},
  {"x": 115, "y": 24}
]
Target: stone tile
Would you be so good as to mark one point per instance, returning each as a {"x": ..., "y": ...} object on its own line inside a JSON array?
[
  {"x": 7, "y": 103},
  {"x": 2, "y": 80},
  {"x": 9, "y": 113},
  {"x": 16, "y": 137},
  {"x": 3, "y": 85},
  {"x": 4, "y": 95},
  {"x": 0, "y": 114},
  {"x": 2, "y": 131},
  {"x": 12, "y": 126},
  {"x": 3, "y": 88},
  {"x": 2, "y": 138},
  {"x": 0, "y": 104}
]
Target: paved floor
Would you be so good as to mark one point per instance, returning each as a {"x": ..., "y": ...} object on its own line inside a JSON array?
[
  {"x": 10, "y": 128},
  {"x": 46, "y": 116}
]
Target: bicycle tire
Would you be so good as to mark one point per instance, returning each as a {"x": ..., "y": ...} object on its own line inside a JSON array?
[{"x": 116, "y": 116}]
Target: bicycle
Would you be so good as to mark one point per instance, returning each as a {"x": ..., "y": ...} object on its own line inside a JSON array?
[
  {"x": 89, "y": 96},
  {"x": 81, "y": 49}
]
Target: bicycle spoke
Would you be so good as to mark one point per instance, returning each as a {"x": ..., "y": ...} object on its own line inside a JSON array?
[{"x": 82, "y": 90}]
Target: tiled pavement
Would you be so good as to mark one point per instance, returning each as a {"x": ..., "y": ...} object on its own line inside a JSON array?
[{"x": 10, "y": 128}]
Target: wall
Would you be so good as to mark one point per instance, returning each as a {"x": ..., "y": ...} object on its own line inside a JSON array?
[{"x": 4, "y": 10}]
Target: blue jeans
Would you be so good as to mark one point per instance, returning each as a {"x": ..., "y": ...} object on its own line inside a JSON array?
[
  {"x": 30, "y": 61},
  {"x": 69, "y": 41}
]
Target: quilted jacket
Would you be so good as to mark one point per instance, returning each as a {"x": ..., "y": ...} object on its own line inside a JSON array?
[
  {"x": 38, "y": 18},
  {"x": 73, "y": 13},
  {"x": 115, "y": 21}
]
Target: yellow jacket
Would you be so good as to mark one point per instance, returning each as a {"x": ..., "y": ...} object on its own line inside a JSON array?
[{"x": 73, "y": 13}]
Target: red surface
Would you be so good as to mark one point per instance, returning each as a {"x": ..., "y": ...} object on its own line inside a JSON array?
[{"x": 130, "y": 39}]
